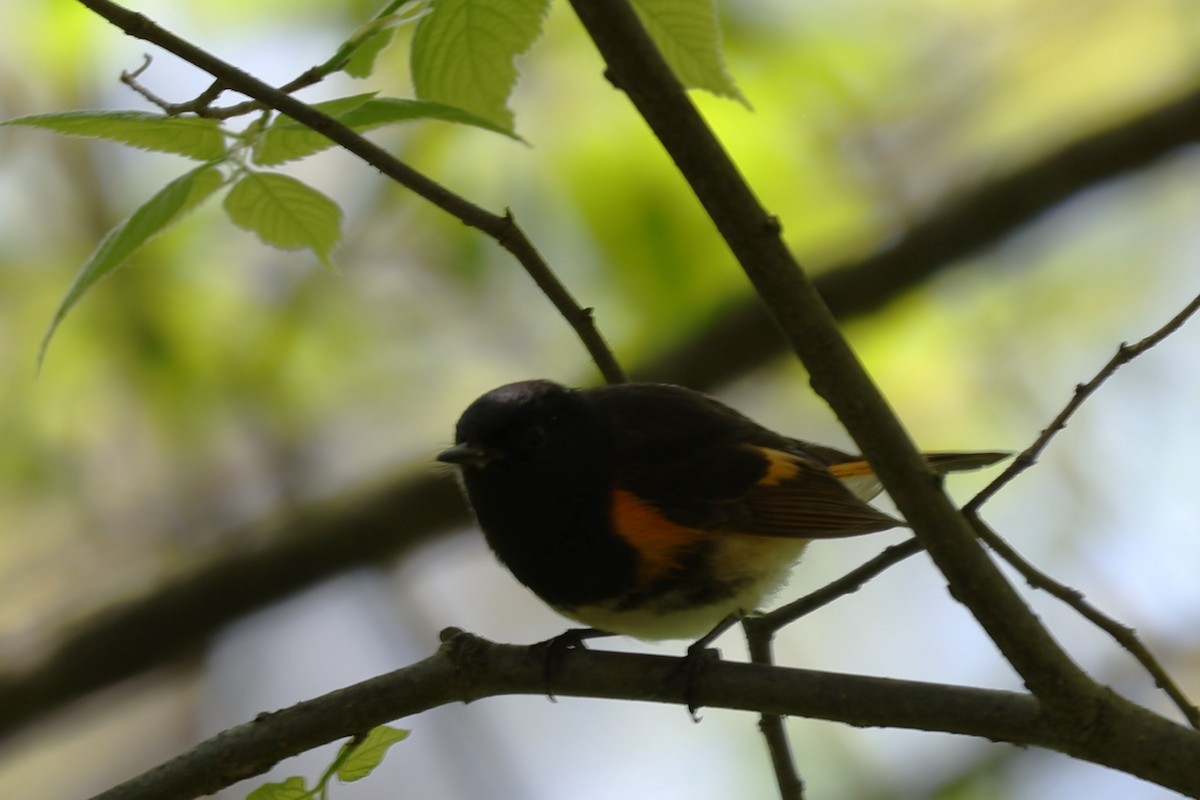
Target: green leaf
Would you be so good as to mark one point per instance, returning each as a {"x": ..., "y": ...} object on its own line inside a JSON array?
[
  {"x": 291, "y": 140},
  {"x": 287, "y": 140},
  {"x": 689, "y": 36},
  {"x": 196, "y": 138},
  {"x": 366, "y": 43},
  {"x": 291, "y": 789},
  {"x": 157, "y": 214},
  {"x": 362, "y": 63},
  {"x": 463, "y": 53},
  {"x": 390, "y": 110},
  {"x": 333, "y": 108},
  {"x": 365, "y": 756},
  {"x": 285, "y": 213}
]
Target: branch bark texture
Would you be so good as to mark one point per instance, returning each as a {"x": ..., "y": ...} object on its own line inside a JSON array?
[
  {"x": 636, "y": 67},
  {"x": 467, "y": 668}
]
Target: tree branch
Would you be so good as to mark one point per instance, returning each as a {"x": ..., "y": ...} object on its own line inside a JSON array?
[
  {"x": 1122, "y": 634},
  {"x": 1125, "y": 353},
  {"x": 636, "y": 67},
  {"x": 117, "y": 643},
  {"x": 202, "y": 104},
  {"x": 467, "y": 668},
  {"x": 760, "y": 635},
  {"x": 502, "y": 228}
]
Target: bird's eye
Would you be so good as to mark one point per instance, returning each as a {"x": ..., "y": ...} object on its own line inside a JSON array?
[{"x": 534, "y": 437}]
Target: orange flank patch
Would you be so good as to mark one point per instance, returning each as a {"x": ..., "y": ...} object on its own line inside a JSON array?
[
  {"x": 658, "y": 541},
  {"x": 780, "y": 466},
  {"x": 852, "y": 469}
]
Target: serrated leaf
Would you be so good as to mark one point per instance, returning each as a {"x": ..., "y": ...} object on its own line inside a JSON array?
[
  {"x": 157, "y": 214},
  {"x": 196, "y": 138},
  {"x": 287, "y": 140},
  {"x": 362, "y": 62},
  {"x": 689, "y": 36},
  {"x": 365, "y": 756},
  {"x": 335, "y": 107},
  {"x": 291, "y": 789},
  {"x": 463, "y": 53},
  {"x": 293, "y": 141},
  {"x": 391, "y": 110},
  {"x": 285, "y": 213},
  {"x": 371, "y": 39}
]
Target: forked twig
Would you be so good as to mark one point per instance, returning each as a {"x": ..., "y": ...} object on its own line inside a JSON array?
[
  {"x": 1122, "y": 634},
  {"x": 761, "y": 630},
  {"x": 1125, "y": 353},
  {"x": 502, "y": 228},
  {"x": 847, "y": 584},
  {"x": 202, "y": 104}
]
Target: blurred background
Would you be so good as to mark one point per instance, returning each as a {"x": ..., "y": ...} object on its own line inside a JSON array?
[{"x": 216, "y": 382}]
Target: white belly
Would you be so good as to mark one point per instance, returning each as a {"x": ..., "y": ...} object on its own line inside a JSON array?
[{"x": 758, "y": 565}]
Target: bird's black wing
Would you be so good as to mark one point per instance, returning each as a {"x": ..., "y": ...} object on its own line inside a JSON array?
[{"x": 704, "y": 465}]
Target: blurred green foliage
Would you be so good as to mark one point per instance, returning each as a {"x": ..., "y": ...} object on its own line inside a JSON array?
[
  {"x": 216, "y": 379},
  {"x": 219, "y": 376}
]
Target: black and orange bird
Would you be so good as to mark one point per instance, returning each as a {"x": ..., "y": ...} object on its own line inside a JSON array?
[{"x": 653, "y": 510}]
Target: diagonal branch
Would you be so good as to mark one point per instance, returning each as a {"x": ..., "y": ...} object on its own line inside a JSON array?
[
  {"x": 636, "y": 67},
  {"x": 202, "y": 104},
  {"x": 1124, "y": 635},
  {"x": 502, "y": 228},
  {"x": 760, "y": 630},
  {"x": 1125, "y": 353}
]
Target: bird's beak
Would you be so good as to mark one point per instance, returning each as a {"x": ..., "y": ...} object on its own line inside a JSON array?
[{"x": 468, "y": 455}]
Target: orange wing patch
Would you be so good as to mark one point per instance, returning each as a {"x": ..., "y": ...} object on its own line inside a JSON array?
[
  {"x": 781, "y": 466},
  {"x": 659, "y": 542},
  {"x": 852, "y": 469}
]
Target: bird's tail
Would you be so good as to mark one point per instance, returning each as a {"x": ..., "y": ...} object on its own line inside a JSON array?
[{"x": 858, "y": 476}]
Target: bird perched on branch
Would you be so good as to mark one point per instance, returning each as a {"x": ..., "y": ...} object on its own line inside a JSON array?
[{"x": 653, "y": 510}]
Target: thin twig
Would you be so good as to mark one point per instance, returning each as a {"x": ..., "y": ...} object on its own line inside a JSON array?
[
  {"x": 787, "y": 776},
  {"x": 202, "y": 104},
  {"x": 502, "y": 228},
  {"x": 1122, "y": 634},
  {"x": 1125, "y": 353},
  {"x": 130, "y": 79},
  {"x": 847, "y": 584},
  {"x": 761, "y": 630},
  {"x": 635, "y": 66}
]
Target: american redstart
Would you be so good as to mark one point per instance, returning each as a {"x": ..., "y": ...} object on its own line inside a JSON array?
[{"x": 653, "y": 510}]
